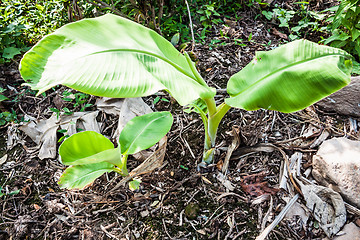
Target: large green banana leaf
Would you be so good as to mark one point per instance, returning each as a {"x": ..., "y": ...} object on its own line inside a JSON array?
[
  {"x": 290, "y": 77},
  {"x": 113, "y": 57}
]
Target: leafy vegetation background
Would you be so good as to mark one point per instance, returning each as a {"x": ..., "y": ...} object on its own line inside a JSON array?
[{"x": 24, "y": 22}]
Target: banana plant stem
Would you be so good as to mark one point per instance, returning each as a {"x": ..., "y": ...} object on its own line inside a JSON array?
[
  {"x": 215, "y": 115},
  {"x": 121, "y": 167},
  {"x": 115, "y": 169}
]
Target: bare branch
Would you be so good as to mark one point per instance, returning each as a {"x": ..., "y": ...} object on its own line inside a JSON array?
[{"x": 191, "y": 27}]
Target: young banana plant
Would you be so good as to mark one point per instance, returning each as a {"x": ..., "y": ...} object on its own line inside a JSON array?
[
  {"x": 90, "y": 154},
  {"x": 115, "y": 57}
]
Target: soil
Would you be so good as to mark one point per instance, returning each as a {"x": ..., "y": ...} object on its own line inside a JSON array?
[{"x": 175, "y": 201}]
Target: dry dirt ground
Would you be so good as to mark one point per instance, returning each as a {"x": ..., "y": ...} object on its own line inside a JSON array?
[{"x": 175, "y": 201}]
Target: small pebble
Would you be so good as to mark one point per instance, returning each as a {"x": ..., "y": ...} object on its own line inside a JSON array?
[{"x": 144, "y": 213}]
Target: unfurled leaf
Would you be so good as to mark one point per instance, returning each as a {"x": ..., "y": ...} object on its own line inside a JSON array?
[
  {"x": 81, "y": 176},
  {"x": 86, "y": 148},
  {"x": 144, "y": 131},
  {"x": 290, "y": 77},
  {"x": 113, "y": 57},
  {"x": 197, "y": 106}
]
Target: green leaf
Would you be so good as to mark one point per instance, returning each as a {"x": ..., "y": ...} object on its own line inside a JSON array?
[
  {"x": 114, "y": 57},
  {"x": 3, "y": 98},
  {"x": 343, "y": 7},
  {"x": 156, "y": 100},
  {"x": 134, "y": 184},
  {"x": 144, "y": 131},
  {"x": 10, "y": 52},
  {"x": 81, "y": 176},
  {"x": 14, "y": 192},
  {"x": 88, "y": 147},
  {"x": 267, "y": 14},
  {"x": 67, "y": 111},
  {"x": 198, "y": 106},
  {"x": 203, "y": 18},
  {"x": 356, "y": 68},
  {"x": 63, "y": 138},
  {"x": 175, "y": 39},
  {"x": 39, "y": 7},
  {"x": 355, "y": 33},
  {"x": 337, "y": 36},
  {"x": 54, "y": 110},
  {"x": 290, "y": 77}
]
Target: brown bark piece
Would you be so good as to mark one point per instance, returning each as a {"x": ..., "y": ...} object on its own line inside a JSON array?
[{"x": 345, "y": 101}]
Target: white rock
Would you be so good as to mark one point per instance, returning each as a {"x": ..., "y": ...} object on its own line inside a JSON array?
[{"x": 337, "y": 165}]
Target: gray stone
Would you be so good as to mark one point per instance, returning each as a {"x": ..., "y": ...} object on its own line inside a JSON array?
[
  {"x": 349, "y": 232},
  {"x": 327, "y": 206},
  {"x": 346, "y": 101},
  {"x": 337, "y": 166}
]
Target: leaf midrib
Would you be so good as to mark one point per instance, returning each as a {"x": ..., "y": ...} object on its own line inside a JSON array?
[
  {"x": 94, "y": 157},
  {"x": 282, "y": 68},
  {"x": 177, "y": 67}
]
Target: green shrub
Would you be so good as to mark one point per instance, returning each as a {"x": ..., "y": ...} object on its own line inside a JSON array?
[
  {"x": 24, "y": 22},
  {"x": 298, "y": 21},
  {"x": 345, "y": 29}
]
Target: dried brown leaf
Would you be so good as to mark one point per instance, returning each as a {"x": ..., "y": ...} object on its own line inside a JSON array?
[
  {"x": 255, "y": 186},
  {"x": 279, "y": 34},
  {"x": 151, "y": 163}
]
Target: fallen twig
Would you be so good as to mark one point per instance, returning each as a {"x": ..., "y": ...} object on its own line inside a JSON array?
[
  {"x": 231, "y": 225},
  {"x": 231, "y": 194},
  {"x": 351, "y": 209},
  {"x": 167, "y": 233},
  {"x": 107, "y": 233}
]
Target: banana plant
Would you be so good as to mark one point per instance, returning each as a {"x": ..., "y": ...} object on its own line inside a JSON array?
[
  {"x": 90, "y": 154},
  {"x": 115, "y": 57}
]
